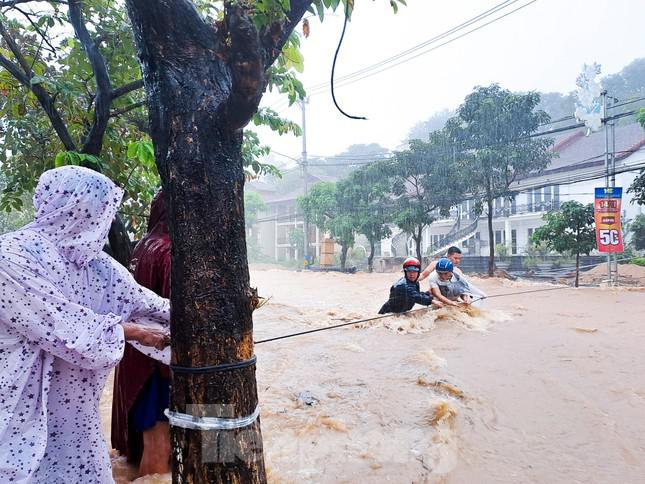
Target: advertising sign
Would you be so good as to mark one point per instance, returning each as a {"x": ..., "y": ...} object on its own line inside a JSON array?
[{"x": 609, "y": 237}]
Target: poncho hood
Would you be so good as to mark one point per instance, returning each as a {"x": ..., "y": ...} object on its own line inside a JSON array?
[{"x": 75, "y": 207}]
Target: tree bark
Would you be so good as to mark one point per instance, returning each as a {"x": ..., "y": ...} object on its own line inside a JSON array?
[
  {"x": 343, "y": 256},
  {"x": 370, "y": 259},
  {"x": 577, "y": 268},
  {"x": 202, "y": 86},
  {"x": 491, "y": 238},
  {"x": 417, "y": 242}
]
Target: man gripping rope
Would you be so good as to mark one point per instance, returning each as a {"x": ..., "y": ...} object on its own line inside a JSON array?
[{"x": 405, "y": 293}]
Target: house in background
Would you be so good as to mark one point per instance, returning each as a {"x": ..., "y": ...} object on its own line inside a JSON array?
[
  {"x": 577, "y": 168},
  {"x": 273, "y": 233}
]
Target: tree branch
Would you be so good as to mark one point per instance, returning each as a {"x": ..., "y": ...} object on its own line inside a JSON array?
[
  {"x": 275, "y": 36},
  {"x": 14, "y": 70},
  {"x": 126, "y": 109},
  {"x": 45, "y": 100},
  {"x": 251, "y": 54},
  {"x": 37, "y": 29},
  {"x": 127, "y": 88},
  {"x": 184, "y": 27},
  {"x": 247, "y": 67},
  {"x": 93, "y": 143},
  {"x": 12, "y": 3},
  {"x": 15, "y": 50}
]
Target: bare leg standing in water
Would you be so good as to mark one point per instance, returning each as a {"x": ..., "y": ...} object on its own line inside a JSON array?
[{"x": 156, "y": 450}]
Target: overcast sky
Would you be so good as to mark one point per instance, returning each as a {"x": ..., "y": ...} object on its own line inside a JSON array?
[{"x": 540, "y": 47}]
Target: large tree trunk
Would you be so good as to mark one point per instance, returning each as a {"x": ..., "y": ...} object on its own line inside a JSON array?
[
  {"x": 370, "y": 259},
  {"x": 203, "y": 84},
  {"x": 577, "y": 268},
  {"x": 417, "y": 242},
  {"x": 491, "y": 238},
  {"x": 343, "y": 256}
]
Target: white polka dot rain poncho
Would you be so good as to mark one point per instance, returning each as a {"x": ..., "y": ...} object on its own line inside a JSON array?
[{"x": 61, "y": 304}]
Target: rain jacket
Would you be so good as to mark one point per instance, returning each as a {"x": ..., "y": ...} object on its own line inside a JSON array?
[
  {"x": 150, "y": 265},
  {"x": 404, "y": 295},
  {"x": 61, "y": 304}
]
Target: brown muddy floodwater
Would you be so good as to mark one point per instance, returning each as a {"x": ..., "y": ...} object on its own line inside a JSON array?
[{"x": 545, "y": 387}]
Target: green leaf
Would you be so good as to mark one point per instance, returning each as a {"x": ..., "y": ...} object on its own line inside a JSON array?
[
  {"x": 61, "y": 159},
  {"x": 133, "y": 149},
  {"x": 37, "y": 80}
]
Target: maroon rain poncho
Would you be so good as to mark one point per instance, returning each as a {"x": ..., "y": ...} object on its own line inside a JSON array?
[{"x": 150, "y": 266}]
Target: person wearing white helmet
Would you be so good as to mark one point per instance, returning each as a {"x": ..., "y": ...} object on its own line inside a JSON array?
[{"x": 405, "y": 293}]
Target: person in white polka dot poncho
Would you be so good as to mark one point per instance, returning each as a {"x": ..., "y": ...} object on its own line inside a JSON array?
[{"x": 66, "y": 310}]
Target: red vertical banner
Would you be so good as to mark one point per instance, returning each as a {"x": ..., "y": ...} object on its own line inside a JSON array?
[{"x": 607, "y": 202}]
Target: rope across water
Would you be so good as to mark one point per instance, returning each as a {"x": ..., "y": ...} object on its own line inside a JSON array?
[{"x": 358, "y": 321}]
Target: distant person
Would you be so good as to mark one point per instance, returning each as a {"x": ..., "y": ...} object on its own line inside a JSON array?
[
  {"x": 405, "y": 293},
  {"x": 454, "y": 255},
  {"x": 446, "y": 286},
  {"x": 66, "y": 311},
  {"x": 140, "y": 429}
]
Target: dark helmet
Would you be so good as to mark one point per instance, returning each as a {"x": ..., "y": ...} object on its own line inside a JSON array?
[
  {"x": 411, "y": 264},
  {"x": 444, "y": 265}
]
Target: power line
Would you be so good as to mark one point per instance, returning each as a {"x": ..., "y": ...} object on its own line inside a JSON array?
[
  {"x": 386, "y": 64},
  {"x": 359, "y": 159},
  {"x": 421, "y": 45},
  {"x": 317, "y": 87},
  {"x": 313, "y": 92},
  {"x": 563, "y": 180}
]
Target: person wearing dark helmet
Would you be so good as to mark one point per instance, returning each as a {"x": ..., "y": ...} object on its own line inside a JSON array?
[{"x": 405, "y": 293}]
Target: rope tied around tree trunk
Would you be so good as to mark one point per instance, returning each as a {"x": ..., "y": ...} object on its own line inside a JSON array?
[
  {"x": 193, "y": 422},
  {"x": 214, "y": 368}
]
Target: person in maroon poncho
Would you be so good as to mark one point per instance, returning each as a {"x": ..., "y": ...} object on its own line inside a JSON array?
[{"x": 141, "y": 386}]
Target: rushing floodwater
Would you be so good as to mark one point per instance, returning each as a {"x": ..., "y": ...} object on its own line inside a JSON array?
[{"x": 509, "y": 390}]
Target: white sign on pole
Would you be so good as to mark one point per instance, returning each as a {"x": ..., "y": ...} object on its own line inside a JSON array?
[{"x": 588, "y": 104}]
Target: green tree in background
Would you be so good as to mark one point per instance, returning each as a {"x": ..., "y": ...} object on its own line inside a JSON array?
[
  {"x": 427, "y": 180},
  {"x": 569, "y": 230},
  {"x": 491, "y": 132},
  {"x": 71, "y": 93},
  {"x": 365, "y": 196},
  {"x": 638, "y": 185},
  {"x": 16, "y": 218},
  {"x": 637, "y": 229},
  {"x": 323, "y": 207}
]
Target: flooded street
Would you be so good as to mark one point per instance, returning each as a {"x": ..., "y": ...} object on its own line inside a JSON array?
[{"x": 540, "y": 387}]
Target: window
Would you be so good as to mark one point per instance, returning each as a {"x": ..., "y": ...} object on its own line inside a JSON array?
[
  {"x": 513, "y": 206},
  {"x": 529, "y": 200},
  {"x": 513, "y": 241},
  {"x": 556, "y": 196},
  {"x": 547, "y": 197},
  {"x": 499, "y": 237},
  {"x": 530, "y": 233}
]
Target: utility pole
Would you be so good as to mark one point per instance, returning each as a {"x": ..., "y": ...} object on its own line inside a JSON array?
[
  {"x": 303, "y": 162},
  {"x": 610, "y": 178}
]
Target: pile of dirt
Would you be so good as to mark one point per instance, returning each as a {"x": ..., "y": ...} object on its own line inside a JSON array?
[
  {"x": 499, "y": 273},
  {"x": 628, "y": 275}
]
